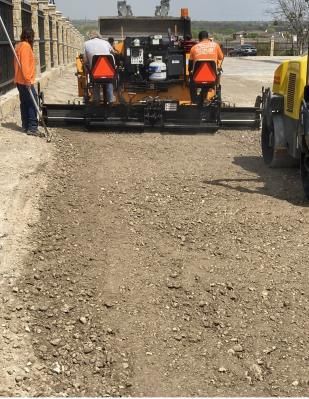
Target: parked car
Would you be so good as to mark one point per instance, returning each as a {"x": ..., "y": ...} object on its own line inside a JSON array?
[{"x": 244, "y": 50}]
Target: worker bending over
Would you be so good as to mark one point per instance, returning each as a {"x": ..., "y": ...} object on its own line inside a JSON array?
[{"x": 97, "y": 46}]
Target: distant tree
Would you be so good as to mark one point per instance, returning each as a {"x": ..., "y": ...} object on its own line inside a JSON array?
[
  {"x": 296, "y": 14},
  {"x": 252, "y": 35}
]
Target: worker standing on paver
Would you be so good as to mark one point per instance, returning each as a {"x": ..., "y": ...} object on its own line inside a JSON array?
[
  {"x": 97, "y": 46},
  {"x": 24, "y": 79}
]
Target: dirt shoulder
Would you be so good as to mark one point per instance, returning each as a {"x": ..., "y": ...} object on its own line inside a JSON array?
[{"x": 23, "y": 161}]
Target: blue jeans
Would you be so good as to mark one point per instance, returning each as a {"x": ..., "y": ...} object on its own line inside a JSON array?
[
  {"x": 109, "y": 93},
  {"x": 29, "y": 117},
  {"x": 108, "y": 90}
]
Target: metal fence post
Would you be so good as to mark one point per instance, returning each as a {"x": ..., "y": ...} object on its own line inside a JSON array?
[
  {"x": 41, "y": 24},
  {"x": 43, "y": 5},
  {"x": 35, "y": 27},
  {"x": 6, "y": 57},
  {"x": 26, "y": 15}
]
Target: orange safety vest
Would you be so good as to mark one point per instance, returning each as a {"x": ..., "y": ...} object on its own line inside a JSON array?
[
  {"x": 207, "y": 49},
  {"x": 25, "y": 76}
]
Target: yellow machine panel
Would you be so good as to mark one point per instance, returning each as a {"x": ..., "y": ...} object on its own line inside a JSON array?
[
  {"x": 285, "y": 119},
  {"x": 289, "y": 81},
  {"x": 279, "y": 83},
  {"x": 81, "y": 76}
]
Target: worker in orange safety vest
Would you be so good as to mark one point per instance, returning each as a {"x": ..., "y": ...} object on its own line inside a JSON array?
[
  {"x": 205, "y": 49},
  {"x": 24, "y": 80}
]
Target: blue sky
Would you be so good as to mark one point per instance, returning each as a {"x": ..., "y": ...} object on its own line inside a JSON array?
[{"x": 223, "y": 10}]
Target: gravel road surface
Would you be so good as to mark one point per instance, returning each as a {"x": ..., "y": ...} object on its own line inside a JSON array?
[{"x": 152, "y": 265}]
